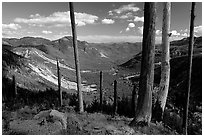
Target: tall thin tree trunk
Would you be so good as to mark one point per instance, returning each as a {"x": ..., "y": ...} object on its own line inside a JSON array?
[
  {"x": 143, "y": 112},
  {"x": 134, "y": 99},
  {"x": 76, "y": 57},
  {"x": 165, "y": 65},
  {"x": 115, "y": 98},
  {"x": 59, "y": 83},
  {"x": 14, "y": 87},
  {"x": 101, "y": 90},
  {"x": 190, "y": 55}
]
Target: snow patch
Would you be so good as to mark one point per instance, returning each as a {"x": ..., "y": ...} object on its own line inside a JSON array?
[
  {"x": 25, "y": 53},
  {"x": 132, "y": 76},
  {"x": 85, "y": 71},
  {"x": 45, "y": 73},
  {"x": 53, "y": 61},
  {"x": 114, "y": 74},
  {"x": 48, "y": 60},
  {"x": 103, "y": 55}
]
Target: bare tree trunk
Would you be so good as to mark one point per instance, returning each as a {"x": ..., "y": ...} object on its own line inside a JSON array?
[
  {"x": 14, "y": 87},
  {"x": 59, "y": 83},
  {"x": 101, "y": 90},
  {"x": 134, "y": 98},
  {"x": 190, "y": 55},
  {"x": 76, "y": 57},
  {"x": 143, "y": 112},
  {"x": 115, "y": 98},
  {"x": 165, "y": 65}
]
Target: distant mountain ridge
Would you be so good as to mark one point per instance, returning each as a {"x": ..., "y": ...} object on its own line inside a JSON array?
[
  {"x": 177, "y": 48},
  {"x": 185, "y": 41},
  {"x": 39, "y": 56}
]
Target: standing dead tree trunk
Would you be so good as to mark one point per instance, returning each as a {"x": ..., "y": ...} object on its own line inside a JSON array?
[
  {"x": 143, "y": 112},
  {"x": 115, "y": 98},
  {"x": 76, "y": 57},
  {"x": 101, "y": 90},
  {"x": 190, "y": 56},
  {"x": 134, "y": 98},
  {"x": 14, "y": 87},
  {"x": 59, "y": 83},
  {"x": 165, "y": 65}
]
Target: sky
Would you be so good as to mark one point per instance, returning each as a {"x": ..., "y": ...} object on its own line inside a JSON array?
[{"x": 96, "y": 22}]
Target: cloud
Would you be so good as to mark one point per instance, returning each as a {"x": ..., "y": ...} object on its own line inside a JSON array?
[
  {"x": 175, "y": 33},
  {"x": 46, "y": 32},
  {"x": 11, "y": 26},
  {"x": 110, "y": 38},
  {"x": 126, "y": 16},
  {"x": 127, "y": 29},
  {"x": 9, "y": 30},
  {"x": 158, "y": 32},
  {"x": 198, "y": 30},
  {"x": 110, "y": 13},
  {"x": 124, "y": 12},
  {"x": 186, "y": 30},
  {"x": 58, "y": 19},
  {"x": 137, "y": 19},
  {"x": 125, "y": 8},
  {"x": 184, "y": 34},
  {"x": 131, "y": 25},
  {"x": 34, "y": 16},
  {"x": 140, "y": 30},
  {"x": 11, "y": 34},
  {"x": 107, "y": 21},
  {"x": 8, "y": 33}
]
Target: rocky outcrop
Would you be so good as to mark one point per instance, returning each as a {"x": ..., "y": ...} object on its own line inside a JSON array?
[
  {"x": 59, "y": 116},
  {"x": 52, "y": 115}
]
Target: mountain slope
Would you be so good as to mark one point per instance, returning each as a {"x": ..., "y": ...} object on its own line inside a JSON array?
[
  {"x": 178, "y": 82},
  {"x": 177, "y": 48},
  {"x": 39, "y": 58}
]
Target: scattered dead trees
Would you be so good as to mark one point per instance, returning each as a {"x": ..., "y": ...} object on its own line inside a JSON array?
[
  {"x": 76, "y": 57},
  {"x": 165, "y": 65},
  {"x": 143, "y": 111}
]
